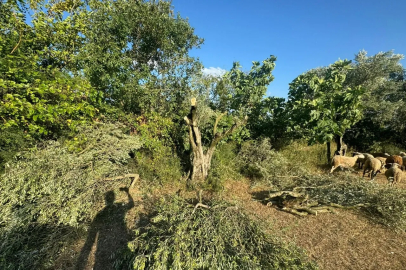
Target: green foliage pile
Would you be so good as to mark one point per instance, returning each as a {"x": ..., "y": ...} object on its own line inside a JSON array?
[
  {"x": 59, "y": 185},
  {"x": 223, "y": 237},
  {"x": 382, "y": 203}
]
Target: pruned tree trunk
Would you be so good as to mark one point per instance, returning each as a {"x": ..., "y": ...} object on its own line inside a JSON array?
[{"x": 201, "y": 160}]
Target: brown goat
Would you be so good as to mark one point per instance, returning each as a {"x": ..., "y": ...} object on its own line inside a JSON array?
[{"x": 395, "y": 159}]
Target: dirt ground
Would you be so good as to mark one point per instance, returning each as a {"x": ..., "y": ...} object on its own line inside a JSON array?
[{"x": 341, "y": 240}]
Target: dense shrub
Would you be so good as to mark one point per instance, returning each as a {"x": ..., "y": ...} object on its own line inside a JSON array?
[
  {"x": 262, "y": 164},
  {"x": 157, "y": 167},
  {"x": 157, "y": 161},
  {"x": 223, "y": 237},
  {"x": 224, "y": 166}
]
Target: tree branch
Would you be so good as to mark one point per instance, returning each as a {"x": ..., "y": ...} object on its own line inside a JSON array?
[
  {"x": 217, "y": 121},
  {"x": 20, "y": 34}
]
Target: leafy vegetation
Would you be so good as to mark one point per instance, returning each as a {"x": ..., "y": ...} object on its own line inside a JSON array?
[
  {"x": 91, "y": 90},
  {"x": 283, "y": 172},
  {"x": 222, "y": 237},
  {"x": 321, "y": 107},
  {"x": 58, "y": 186}
]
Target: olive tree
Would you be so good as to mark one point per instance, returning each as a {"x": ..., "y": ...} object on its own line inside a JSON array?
[
  {"x": 136, "y": 52},
  {"x": 231, "y": 98},
  {"x": 383, "y": 77}
]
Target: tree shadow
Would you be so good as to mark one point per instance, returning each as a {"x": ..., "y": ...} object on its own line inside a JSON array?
[{"x": 109, "y": 231}]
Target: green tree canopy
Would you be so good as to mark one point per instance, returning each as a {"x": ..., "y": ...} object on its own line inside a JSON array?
[
  {"x": 38, "y": 98},
  {"x": 384, "y": 100},
  {"x": 137, "y": 53},
  {"x": 321, "y": 106}
]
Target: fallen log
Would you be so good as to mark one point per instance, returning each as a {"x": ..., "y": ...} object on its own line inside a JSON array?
[{"x": 298, "y": 203}]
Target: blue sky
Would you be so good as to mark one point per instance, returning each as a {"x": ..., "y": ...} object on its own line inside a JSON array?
[{"x": 301, "y": 34}]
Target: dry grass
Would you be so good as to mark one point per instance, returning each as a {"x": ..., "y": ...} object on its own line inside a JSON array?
[{"x": 344, "y": 240}]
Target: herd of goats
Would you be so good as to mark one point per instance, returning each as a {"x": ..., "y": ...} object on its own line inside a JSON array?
[{"x": 392, "y": 165}]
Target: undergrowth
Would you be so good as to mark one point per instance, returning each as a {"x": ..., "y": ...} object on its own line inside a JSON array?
[
  {"x": 224, "y": 166},
  {"x": 178, "y": 236}
]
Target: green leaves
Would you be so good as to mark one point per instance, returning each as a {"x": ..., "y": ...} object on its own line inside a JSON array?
[
  {"x": 247, "y": 89},
  {"x": 42, "y": 105},
  {"x": 137, "y": 53},
  {"x": 320, "y": 104},
  {"x": 178, "y": 236}
]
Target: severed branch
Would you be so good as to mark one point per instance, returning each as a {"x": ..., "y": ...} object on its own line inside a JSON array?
[
  {"x": 130, "y": 175},
  {"x": 200, "y": 205},
  {"x": 298, "y": 203}
]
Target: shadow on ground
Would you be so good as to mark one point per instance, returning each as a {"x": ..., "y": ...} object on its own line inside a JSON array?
[{"x": 109, "y": 233}]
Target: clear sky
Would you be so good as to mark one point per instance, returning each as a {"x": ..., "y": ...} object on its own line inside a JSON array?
[{"x": 302, "y": 34}]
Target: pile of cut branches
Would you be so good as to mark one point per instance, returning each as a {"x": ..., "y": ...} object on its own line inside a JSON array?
[{"x": 298, "y": 202}]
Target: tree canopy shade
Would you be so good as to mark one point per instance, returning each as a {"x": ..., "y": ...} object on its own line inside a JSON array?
[
  {"x": 268, "y": 119},
  {"x": 321, "y": 106}
]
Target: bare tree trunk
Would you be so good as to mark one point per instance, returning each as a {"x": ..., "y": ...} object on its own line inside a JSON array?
[
  {"x": 328, "y": 152},
  {"x": 201, "y": 161}
]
